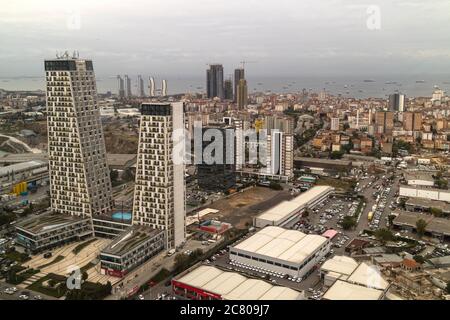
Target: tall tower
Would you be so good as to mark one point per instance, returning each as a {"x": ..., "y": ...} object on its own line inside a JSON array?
[
  {"x": 152, "y": 87},
  {"x": 159, "y": 196},
  {"x": 140, "y": 83},
  {"x": 164, "y": 88},
  {"x": 127, "y": 87},
  {"x": 120, "y": 87},
  {"x": 214, "y": 81},
  {"x": 242, "y": 94},
  {"x": 80, "y": 184},
  {"x": 239, "y": 74},
  {"x": 228, "y": 87}
]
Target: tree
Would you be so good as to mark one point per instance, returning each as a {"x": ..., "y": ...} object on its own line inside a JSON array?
[
  {"x": 421, "y": 226},
  {"x": 336, "y": 155},
  {"x": 419, "y": 259},
  {"x": 275, "y": 186},
  {"x": 436, "y": 212},
  {"x": 384, "y": 235},
  {"x": 348, "y": 223},
  {"x": 114, "y": 175},
  {"x": 391, "y": 218}
]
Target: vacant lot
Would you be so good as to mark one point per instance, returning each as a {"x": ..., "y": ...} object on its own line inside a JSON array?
[{"x": 239, "y": 209}]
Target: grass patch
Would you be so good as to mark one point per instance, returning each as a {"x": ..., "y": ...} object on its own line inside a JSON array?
[
  {"x": 87, "y": 267},
  {"x": 161, "y": 275},
  {"x": 339, "y": 184},
  {"x": 18, "y": 277},
  {"x": 56, "y": 260},
  {"x": 83, "y": 245},
  {"x": 17, "y": 256},
  {"x": 58, "y": 289}
]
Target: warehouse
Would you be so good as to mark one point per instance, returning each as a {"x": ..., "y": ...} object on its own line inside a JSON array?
[
  {"x": 288, "y": 210},
  {"x": 423, "y": 192},
  {"x": 436, "y": 227},
  {"x": 285, "y": 252},
  {"x": 419, "y": 179},
  {"x": 211, "y": 283},
  {"x": 349, "y": 280}
]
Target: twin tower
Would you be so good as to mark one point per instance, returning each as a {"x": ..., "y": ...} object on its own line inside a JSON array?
[{"x": 80, "y": 183}]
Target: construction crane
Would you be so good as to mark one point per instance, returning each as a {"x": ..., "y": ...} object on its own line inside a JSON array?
[{"x": 243, "y": 63}]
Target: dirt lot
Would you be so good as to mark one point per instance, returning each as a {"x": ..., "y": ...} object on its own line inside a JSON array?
[{"x": 240, "y": 208}]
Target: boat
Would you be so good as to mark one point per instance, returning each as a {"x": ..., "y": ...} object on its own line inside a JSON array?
[{"x": 369, "y": 80}]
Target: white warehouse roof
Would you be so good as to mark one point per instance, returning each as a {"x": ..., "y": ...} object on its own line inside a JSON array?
[
  {"x": 234, "y": 286},
  {"x": 369, "y": 276},
  {"x": 340, "y": 264},
  {"x": 342, "y": 290},
  {"x": 280, "y": 211},
  {"x": 312, "y": 194},
  {"x": 278, "y": 214},
  {"x": 289, "y": 245}
]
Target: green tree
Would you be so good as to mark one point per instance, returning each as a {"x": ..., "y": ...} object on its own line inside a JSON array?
[
  {"x": 384, "y": 235},
  {"x": 421, "y": 226},
  {"x": 391, "y": 219},
  {"x": 419, "y": 259},
  {"x": 275, "y": 186},
  {"x": 336, "y": 155},
  {"x": 348, "y": 223},
  {"x": 436, "y": 212}
]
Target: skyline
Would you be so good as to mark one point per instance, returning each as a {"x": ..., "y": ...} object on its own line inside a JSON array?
[{"x": 330, "y": 38}]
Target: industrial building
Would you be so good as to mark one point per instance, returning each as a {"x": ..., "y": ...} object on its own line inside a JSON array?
[
  {"x": 350, "y": 280},
  {"x": 419, "y": 179},
  {"x": 49, "y": 231},
  {"x": 424, "y": 192},
  {"x": 288, "y": 252},
  {"x": 211, "y": 283},
  {"x": 132, "y": 248},
  {"x": 288, "y": 210},
  {"x": 22, "y": 172},
  {"x": 436, "y": 227}
]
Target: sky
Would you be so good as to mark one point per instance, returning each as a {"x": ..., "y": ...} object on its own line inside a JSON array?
[{"x": 277, "y": 37}]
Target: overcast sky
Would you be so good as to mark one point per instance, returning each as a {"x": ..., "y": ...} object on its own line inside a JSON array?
[{"x": 179, "y": 37}]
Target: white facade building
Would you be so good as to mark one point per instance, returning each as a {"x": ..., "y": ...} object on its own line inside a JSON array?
[
  {"x": 280, "y": 154},
  {"x": 281, "y": 251},
  {"x": 159, "y": 199},
  {"x": 79, "y": 176}
]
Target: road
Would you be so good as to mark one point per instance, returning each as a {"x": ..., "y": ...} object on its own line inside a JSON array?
[{"x": 15, "y": 296}]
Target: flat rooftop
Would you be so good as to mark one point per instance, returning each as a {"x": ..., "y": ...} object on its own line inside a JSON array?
[
  {"x": 342, "y": 290},
  {"x": 130, "y": 239},
  {"x": 286, "y": 208},
  {"x": 414, "y": 175},
  {"x": 427, "y": 203},
  {"x": 288, "y": 245},
  {"x": 435, "y": 225},
  {"x": 18, "y": 167},
  {"x": 312, "y": 194},
  {"x": 234, "y": 286},
  {"x": 340, "y": 265},
  {"x": 324, "y": 161},
  {"x": 48, "y": 222}
]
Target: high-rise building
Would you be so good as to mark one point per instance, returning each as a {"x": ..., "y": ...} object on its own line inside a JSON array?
[
  {"x": 412, "y": 121},
  {"x": 164, "y": 88},
  {"x": 152, "y": 87},
  {"x": 335, "y": 124},
  {"x": 214, "y": 81},
  {"x": 242, "y": 94},
  {"x": 159, "y": 197},
  {"x": 80, "y": 184},
  {"x": 280, "y": 154},
  {"x": 384, "y": 122},
  {"x": 140, "y": 83},
  {"x": 120, "y": 87},
  {"x": 397, "y": 102},
  {"x": 127, "y": 87},
  {"x": 228, "y": 89},
  {"x": 283, "y": 124},
  {"x": 216, "y": 173},
  {"x": 239, "y": 74}
]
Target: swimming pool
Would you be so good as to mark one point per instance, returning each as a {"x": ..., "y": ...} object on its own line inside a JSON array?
[{"x": 122, "y": 216}]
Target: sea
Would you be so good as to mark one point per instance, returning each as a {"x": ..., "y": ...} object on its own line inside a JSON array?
[{"x": 359, "y": 87}]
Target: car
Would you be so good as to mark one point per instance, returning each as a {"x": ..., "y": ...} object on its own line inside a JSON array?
[
  {"x": 24, "y": 297},
  {"x": 141, "y": 297}
]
